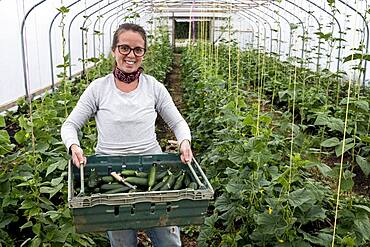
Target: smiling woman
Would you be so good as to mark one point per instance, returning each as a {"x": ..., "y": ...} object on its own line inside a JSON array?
[{"x": 125, "y": 105}]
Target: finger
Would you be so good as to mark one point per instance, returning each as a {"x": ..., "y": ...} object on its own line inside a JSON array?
[
  {"x": 187, "y": 155},
  {"x": 75, "y": 160},
  {"x": 81, "y": 158},
  {"x": 182, "y": 158}
]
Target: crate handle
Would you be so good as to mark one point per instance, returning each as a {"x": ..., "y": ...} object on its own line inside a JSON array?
[
  {"x": 70, "y": 191},
  {"x": 82, "y": 178},
  {"x": 201, "y": 185},
  {"x": 203, "y": 174}
]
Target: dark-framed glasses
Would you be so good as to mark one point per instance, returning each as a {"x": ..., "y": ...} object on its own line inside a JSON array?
[{"x": 125, "y": 50}]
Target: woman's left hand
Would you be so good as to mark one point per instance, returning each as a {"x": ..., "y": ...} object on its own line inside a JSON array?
[{"x": 185, "y": 151}]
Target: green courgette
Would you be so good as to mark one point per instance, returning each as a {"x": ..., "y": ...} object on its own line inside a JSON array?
[
  {"x": 136, "y": 180},
  {"x": 161, "y": 175},
  {"x": 128, "y": 172},
  {"x": 179, "y": 180},
  {"x": 160, "y": 184},
  {"x": 193, "y": 185},
  {"x": 152, "y": 175},
  {"x": 141, "y": 174},
  {"x": 169, "y": 182},
  {"x": 122, "y": 189},
  {"x": 106, "y": 187},
  {"x": 106, "y": 179}
]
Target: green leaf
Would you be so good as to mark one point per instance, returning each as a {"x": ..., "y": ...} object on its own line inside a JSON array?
[
  {"x": 362, "y": 223},
  {"x": 366, "y": 208},
  {"x": 336, "y": 124},
  {"x": 2, "y": 121},
  {"x": 51, "y": 190},
  {"x": 27, "y": 224},
  {"x": 36, "y": 229},
  {"x": 331, "y": 142},
  {"x": 324, "y": 169},
  {"x": 364, "y": 165},
  {"x": 223, "y": 203},
  {"x": 56, "y": 181},
  {"x": 52, "y": 168},
  {"x": 356, "y": 56},
  {"x": 362, "y": 104},
  {"x": 321, "y": 120},
  {"x": 63, "y": 10},
  {"x": 339, "y": 149},
  {"x": 7, "y": 219},
  {"x": 237, "y": 155},
  {"x": 20, "y": 136},
  {"x": 5, "y": 187},
  {"x": 346, "y": 184},
  {"x": 298, "y": 197}
]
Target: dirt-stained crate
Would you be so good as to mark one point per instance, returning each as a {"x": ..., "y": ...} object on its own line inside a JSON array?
[{"x": 98, "y": 212}]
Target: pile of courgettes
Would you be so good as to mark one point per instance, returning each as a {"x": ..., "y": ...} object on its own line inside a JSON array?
[{"x": 130, "y": 180}]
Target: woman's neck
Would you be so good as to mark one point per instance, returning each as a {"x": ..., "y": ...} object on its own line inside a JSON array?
[{"x": 126, "y": 87}]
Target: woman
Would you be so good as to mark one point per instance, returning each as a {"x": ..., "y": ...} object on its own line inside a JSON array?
[{"x": 125, "y": 104}]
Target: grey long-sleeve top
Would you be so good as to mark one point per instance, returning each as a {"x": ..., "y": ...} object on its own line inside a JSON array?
[{"x": 125, "y": 121}]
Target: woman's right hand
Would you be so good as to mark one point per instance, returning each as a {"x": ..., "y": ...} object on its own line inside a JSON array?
[{"x": 77, "y": 155}]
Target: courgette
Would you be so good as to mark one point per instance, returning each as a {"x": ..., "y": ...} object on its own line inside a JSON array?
[
  {"x": 161, "y": 175},
  {"x": 106, "y": 187},
  {"x": 128, "y": 172},
  {"x": 136, "y": 180},
  {"x": 193, "y": 185},
  {"x": 152, "y": 174},
  {"x": 106, "y": 179},
  {"x": 179, "y": 181},
  {"x": 169, "y": 182},
  {"x": 117, "y": 190},
  {"x": 141, "y": 174},
  {"x": 160, "y": 184}
]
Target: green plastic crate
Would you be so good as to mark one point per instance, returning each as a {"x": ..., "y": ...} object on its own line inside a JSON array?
[{"x": 138, "y": 210}]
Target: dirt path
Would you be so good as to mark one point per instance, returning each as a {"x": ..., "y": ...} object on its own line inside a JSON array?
[{"x": 173, "y": 85}]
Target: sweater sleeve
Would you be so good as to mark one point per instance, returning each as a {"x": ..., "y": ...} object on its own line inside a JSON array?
[
  {"x": 84, "y": 109},
  {"x": 170, "y": 114}
]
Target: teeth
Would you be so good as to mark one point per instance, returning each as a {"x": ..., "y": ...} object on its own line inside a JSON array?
[{"x": 130, "y": 62}]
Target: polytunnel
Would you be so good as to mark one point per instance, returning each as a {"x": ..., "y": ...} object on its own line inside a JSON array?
[{"x": 185, "y": 123}]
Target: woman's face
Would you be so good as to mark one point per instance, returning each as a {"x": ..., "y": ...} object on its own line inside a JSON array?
[{"x": 129, "y": 62}]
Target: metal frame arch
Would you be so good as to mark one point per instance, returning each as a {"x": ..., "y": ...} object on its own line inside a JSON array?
[
  {"x": 340, "y": 30},
  {"x": 264, "y": 22},
  {"x": 94, "y": 27},
  {"x": 270, "y": 25},
  {"x": 23, "y": 48},
  {"x": 319, "y": 39},
  {"x": 303, "y": 29},
  {"x": 257, "y": 23},
  {"x": 137, "y": 10},
  {"x": 69, "y": 35},
  {"x": 263, "y": 25},
  {"x": 110, "y": 27},
  {"x": 290, "y": 29},
  {"x": 252, "y": 33},
  {"x": 51, "y": 49},
  {"x": 83, "y": 30},
  {"x": 367, "y": 37},
  {"x": 251, "y": 21}
]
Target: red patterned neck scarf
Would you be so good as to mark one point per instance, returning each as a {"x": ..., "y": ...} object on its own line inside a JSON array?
[{"x": 127, "y": 77}]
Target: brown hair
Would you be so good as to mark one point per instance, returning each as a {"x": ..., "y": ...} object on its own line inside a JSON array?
[{"x": 128, "y": 27}]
